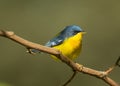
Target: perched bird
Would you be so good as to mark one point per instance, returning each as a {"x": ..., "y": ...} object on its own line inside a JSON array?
[{"x": 68, "y": 42}]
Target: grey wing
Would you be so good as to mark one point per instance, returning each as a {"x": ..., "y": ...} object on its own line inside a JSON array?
[{"x": 55, "y": 41}]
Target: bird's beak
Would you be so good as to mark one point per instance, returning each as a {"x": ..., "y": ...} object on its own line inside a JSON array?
[{"x": 84, "y": 33}]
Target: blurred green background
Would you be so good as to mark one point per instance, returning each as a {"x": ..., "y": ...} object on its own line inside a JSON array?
[{"x": 39, "y": 21}]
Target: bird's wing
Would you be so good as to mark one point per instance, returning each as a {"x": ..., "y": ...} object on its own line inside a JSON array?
[{"x": 55, "y": 41}]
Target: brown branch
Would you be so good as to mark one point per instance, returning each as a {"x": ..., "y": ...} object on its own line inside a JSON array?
[{"x": 75, "y": 66}]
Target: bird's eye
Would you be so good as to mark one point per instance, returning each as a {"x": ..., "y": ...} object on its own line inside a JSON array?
[{"x": 75, "y": 32}]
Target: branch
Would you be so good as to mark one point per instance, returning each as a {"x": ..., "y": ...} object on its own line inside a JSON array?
[{"x": 75, "y": 66}]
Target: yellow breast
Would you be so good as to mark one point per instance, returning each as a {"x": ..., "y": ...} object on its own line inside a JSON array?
[{"x": 71, "y": 47}]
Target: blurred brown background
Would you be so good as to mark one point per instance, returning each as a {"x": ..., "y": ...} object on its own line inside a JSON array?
[{"x": 39, "y": 21}]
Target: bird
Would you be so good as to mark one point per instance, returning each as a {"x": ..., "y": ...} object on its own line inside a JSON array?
[{"x": 68, "y": 42}]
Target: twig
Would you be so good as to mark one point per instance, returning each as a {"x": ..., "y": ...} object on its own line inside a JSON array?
[
  {"x": 112, "y": 67},
  {"x": 117, "y": 62},
  {"x": 77, "y": 67},
  {"x": 70, "y": 79}
]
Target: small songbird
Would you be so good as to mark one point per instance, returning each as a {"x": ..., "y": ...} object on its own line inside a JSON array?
[{"x": 68, "y": 42}]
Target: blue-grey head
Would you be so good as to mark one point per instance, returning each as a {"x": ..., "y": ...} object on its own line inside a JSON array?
[{"x": 71, "y": 30}]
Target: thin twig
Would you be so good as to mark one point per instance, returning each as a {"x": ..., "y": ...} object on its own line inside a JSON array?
[
  {"x": 112, "y": 67},
  {"x": 117, "y": 62},
  {"x": 70, "y": 79}
]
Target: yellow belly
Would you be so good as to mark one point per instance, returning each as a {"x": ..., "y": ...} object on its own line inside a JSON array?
[{"x": 71, "y": 47}]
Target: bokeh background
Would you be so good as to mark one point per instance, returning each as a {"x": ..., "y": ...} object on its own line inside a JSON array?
[{"x": 39, "y": 20}]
